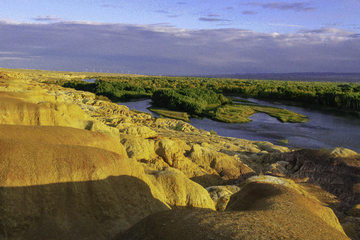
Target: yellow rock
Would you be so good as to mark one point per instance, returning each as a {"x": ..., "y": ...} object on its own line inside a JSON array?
[
  {"x": 258, "y": 211},
  {"x": 60, "y": 135},
  {"x": 50, "y": 189},
  {"x": 226, "y": 166},
  {"x": 140, "y": 131},
  {"x": 138, "y": 148},
  {"x": 19, "y": 112},
  {"x": 340, "y": 152},
  {"x": 179, "y": 191}
]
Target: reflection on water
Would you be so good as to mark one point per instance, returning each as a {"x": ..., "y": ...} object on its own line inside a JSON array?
[{"x": 324, "y": 130}]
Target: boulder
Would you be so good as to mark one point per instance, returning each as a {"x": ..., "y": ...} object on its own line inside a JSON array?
[{"x": 179, "y": 191}]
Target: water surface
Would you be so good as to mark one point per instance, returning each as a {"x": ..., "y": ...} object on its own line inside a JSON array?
[{"x": 325, "y": 129}]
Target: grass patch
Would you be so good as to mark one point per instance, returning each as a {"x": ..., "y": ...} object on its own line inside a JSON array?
[
  {"x": 239, "y": 113},
  {"x": 236, "y": 113},
  {"x": 238, "y": 100},
  {"x": 281, "y": 114},
  {"x": 171, "y": 114},
  {"x": 233, "y": 113},
  {"x": 284, "y": 141}
]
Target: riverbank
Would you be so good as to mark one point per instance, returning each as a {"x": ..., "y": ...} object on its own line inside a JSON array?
[{"x": 325, "y": 129}]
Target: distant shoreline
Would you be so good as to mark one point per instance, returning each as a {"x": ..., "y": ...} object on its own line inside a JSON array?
[{"x": 306, "y": 76}]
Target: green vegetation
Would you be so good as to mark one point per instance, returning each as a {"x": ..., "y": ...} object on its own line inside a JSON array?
[
  {"x": 203, "y": 97},
  {"x": 193, "y": 101},
  {"x": 234, "y": 113},
  {"x": 171, "y": 114},
  {"x": 282, "y": 115},
  {"x": 284, "y": 141},
  {"x": 212, "y": 132},
  {"x": 338, "y": 95},
  {"x": 114, "y": 90}
]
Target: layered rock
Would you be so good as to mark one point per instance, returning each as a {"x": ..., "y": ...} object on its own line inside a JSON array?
[{"x": 336, "y": 171}]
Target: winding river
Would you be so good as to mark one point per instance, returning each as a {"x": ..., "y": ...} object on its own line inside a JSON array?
[{"x": 325, "y": 129}]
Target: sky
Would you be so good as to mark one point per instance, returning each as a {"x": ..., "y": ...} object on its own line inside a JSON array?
[{"x": 197, "y": 37}]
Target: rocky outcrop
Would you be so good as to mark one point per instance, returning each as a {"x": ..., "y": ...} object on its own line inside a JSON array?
[
  {"x": 336, "y": 171},
  {"x": 226, "y": 166},
  {"x": 19, "y": 112},
  {"x": 16, "y": 111},
  {"x": 257, "y": 211}
]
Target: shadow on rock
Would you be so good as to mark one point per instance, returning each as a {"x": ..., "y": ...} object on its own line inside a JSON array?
[{"x": 75, "y": 210}]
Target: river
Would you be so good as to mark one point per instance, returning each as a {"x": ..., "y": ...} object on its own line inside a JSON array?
[{"x": 325, "y": 129}]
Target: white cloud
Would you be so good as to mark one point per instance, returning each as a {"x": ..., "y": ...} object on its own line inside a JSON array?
[
  {"x": 47, "y": 18},
  {"x": 297, "y": 6},
  {"x": 164, "y": 50}
]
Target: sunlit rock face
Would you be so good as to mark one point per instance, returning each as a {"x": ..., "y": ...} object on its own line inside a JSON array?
[{"x": 56, "y": 188}]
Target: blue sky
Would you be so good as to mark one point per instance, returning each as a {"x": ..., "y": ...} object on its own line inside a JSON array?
[{"x": 181, "y": 37}]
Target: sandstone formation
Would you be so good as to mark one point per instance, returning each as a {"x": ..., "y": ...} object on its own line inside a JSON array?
[
  {"x": 258, "y": 211},
  {"x": 76, "y": 167},
  {"x": 60, "y": 136},
  {"x": 180, "y": 191},
  {"x": 226, "y": 166},
  {"x": 53, "y": 191},
  {"x": 336, "y": 171}
]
